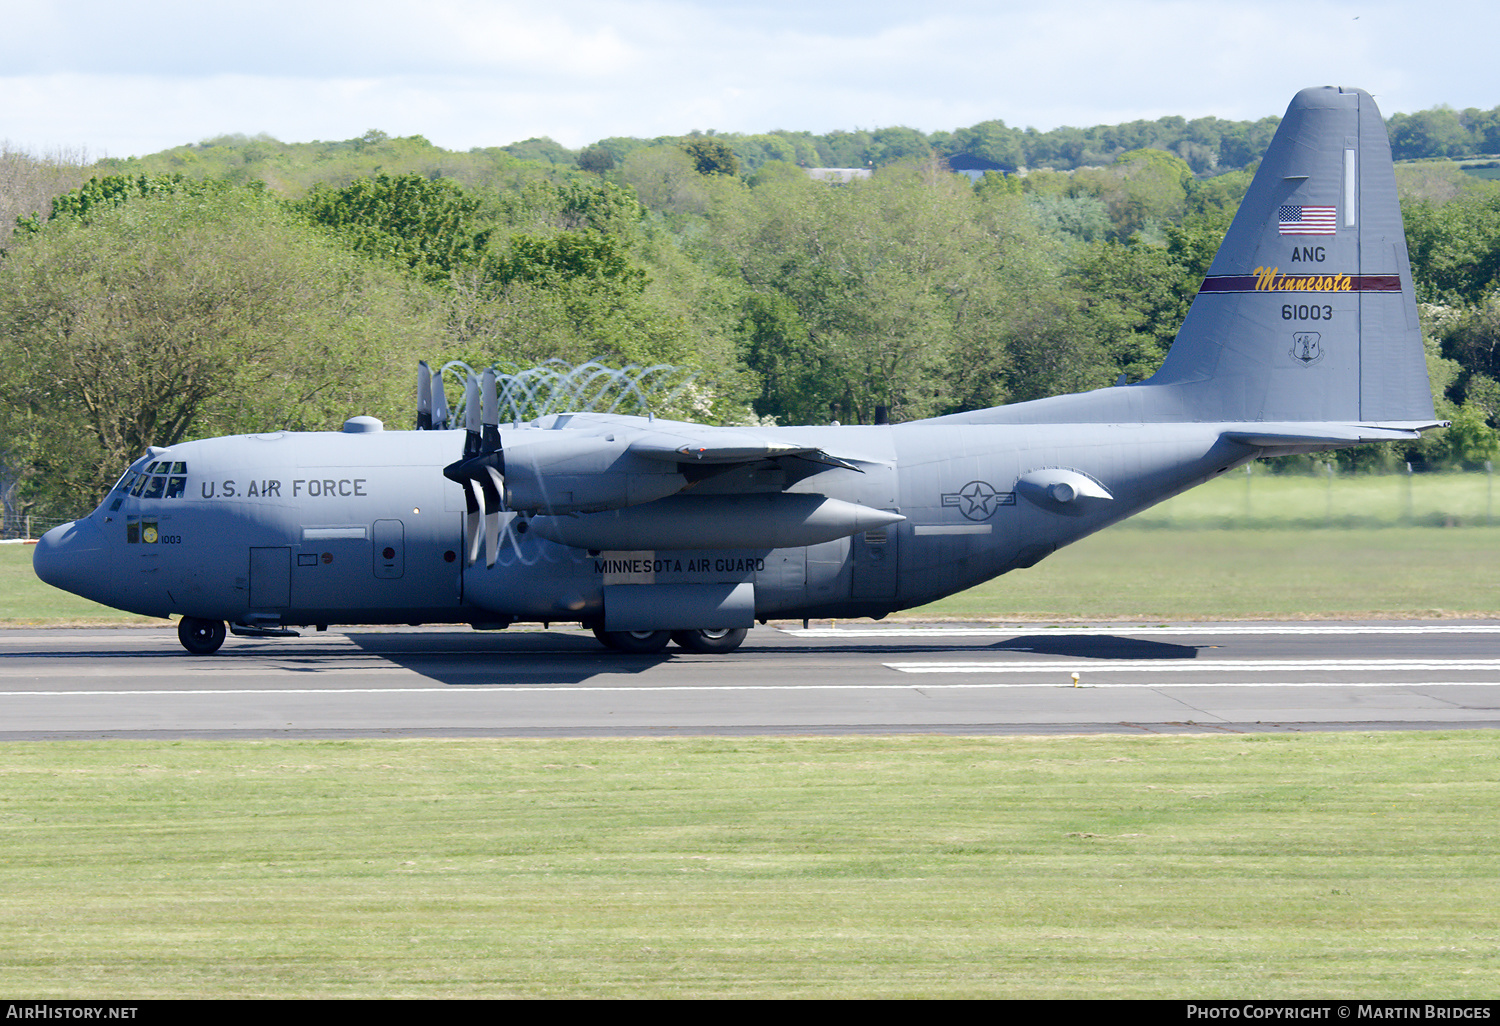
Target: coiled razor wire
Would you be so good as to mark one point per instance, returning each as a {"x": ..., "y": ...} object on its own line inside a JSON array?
[{"x": 557, "y": 386}]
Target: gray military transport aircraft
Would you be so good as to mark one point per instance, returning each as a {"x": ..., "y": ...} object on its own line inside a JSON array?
[{"x": 1302, "y": 338}]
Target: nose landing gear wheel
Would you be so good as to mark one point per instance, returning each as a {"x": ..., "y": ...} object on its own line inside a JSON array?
[
  {"x": 710, "y": 642},
  {"x": 200, "y": 636},
  {"x": 634, "y": 642}
]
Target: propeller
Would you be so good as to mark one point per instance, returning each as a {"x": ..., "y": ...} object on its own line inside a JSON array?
[
  {"x": 441, "y": 415},
  {"x": 481, "y": 469},
  {"x": 424, "y": 396}
]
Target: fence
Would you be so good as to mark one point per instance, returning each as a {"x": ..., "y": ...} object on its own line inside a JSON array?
[{"x": 15, "y": 526}]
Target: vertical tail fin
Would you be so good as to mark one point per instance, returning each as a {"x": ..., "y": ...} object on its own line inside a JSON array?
[{"x": 1307, "y": 313}]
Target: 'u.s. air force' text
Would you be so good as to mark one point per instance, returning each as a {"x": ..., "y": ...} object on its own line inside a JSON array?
[{"x": 311, "y": 487}]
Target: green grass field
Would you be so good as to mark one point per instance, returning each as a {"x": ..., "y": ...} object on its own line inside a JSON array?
[
  {"x": 1276, "y": 501},
  {"x": 1133, "y": 573},
  {"x": 1264, "y": 866},
  {"x": 1211, "y": 867}
]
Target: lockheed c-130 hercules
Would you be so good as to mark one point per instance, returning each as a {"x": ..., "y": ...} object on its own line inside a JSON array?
[{"x": 1302, "y": 338}]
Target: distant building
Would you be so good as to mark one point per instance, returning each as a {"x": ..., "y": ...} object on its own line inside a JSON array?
[
  {"x": 973, "y": 167},
  {"x": 837, "y": 175}
]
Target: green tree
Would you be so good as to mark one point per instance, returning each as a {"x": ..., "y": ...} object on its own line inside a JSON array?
[
  {"x": 1141, "y": 187},
  {"x": 596, "y": 160},
  {"x": 425, "y": 224},
  {"x": 711, "y": 156},
  {"x": 168, "y": 317},
  {"x": 1469, "y": 440},
  {"x": 100, "y": 194},
  {"x": 1455, "y": 247},
  {"x": 28, "y": 185},
  {"x": 568, "y": 257}
]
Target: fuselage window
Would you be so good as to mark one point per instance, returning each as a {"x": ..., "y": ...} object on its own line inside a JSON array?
[
  {"x": 154, "y": 489},
  {"x": 176, "y": 486}
]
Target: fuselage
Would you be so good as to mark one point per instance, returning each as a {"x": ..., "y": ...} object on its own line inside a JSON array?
[{"x": 288, "y": 528}]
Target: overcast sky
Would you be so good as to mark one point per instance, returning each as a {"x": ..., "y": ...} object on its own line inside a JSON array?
[{"x": 115, "y": 79}]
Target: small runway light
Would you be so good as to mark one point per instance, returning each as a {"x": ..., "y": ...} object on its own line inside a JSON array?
[{"x": 1075, "y": 678}]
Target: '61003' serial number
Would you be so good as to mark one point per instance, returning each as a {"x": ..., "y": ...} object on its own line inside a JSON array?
[{"x": 1306, "y": 312}]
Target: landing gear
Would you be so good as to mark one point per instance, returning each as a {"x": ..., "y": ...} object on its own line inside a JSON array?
[
  {"x": 710, "y": 642},
  {"x": 634, "y": 642},
  {"x": 200, "y": 636},
  {"x": 706, "y": 642}
]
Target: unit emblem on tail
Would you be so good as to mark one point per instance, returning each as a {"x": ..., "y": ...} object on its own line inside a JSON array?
[{"x": 1306, "y": 347}]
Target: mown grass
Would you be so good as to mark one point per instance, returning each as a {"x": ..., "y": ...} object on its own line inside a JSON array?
[
  {"x": 1261, "y": 500},
  {"x": 1250, "y": 866},
  {"x": 1133, "y": 573},
  {"x": 26, "y": 600}
]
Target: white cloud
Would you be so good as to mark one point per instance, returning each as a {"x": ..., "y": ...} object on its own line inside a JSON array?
[{"x": 473, "y": 73}]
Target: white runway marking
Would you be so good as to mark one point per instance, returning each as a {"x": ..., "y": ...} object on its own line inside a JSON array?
[
  {"x": 1196, "y": 630},
  {"x": 1059, "y": 674},
  {"x": 1192, "y": 665}
]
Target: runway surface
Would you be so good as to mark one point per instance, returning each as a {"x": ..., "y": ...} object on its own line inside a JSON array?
[{"x": 1133, "y": 678}]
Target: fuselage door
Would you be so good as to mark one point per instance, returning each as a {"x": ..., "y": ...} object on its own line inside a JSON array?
[
  {"x": 389, "y": 550},
  {"x": 270, "y": 578}
]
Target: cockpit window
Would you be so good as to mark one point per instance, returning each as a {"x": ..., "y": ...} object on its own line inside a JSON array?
[{"x": 153, "y": 482}]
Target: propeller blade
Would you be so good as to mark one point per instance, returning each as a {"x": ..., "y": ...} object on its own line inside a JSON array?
[
  {"x": 472, "y": 421},
  {"x": 491, "y": 539},
  {"x": 441, "y": 415},
  {"x": 424, "y": 396},
  {"x": 481, "y": 468},
  {"x": 491, "y": 414},
  {"x": 472, "y": 524},
  {"x": 492, "y": 520}
]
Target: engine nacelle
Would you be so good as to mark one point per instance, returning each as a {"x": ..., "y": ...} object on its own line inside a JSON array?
[
  {"x": 563, "y": 472},
  {"x": 773, "y": 521}
]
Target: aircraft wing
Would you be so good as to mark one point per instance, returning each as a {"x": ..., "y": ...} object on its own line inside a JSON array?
[{"x": 727, "y": 446}]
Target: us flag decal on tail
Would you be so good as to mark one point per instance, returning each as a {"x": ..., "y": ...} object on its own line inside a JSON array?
[{"x": 1298, "y": 220}]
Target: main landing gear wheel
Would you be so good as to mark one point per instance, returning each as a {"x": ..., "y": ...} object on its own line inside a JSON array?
[
  {"x": 200, "y": 636},
  {"x": 634, "y": 642},
  {"x": 710, "y": 642}
]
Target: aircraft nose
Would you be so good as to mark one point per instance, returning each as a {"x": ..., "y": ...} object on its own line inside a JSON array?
[{"x": 71, "y": 557}]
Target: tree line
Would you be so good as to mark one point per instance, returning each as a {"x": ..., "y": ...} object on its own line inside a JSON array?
[{"x": 147, "y": 307}]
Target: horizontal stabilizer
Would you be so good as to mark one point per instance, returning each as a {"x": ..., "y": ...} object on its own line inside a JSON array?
[{"x": 1316, "y": 436}]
